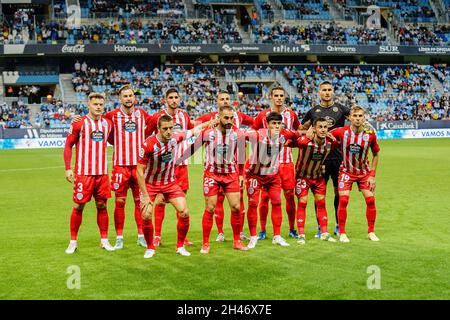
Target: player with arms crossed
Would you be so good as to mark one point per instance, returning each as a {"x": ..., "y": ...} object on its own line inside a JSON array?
[
  {"x": 335, "y": 114},
  {"x": 240, "y": 118},
  {"x": 156, "y": 175},
  {"x": 286, "y": 171},
  {"x": 181, "y": 122},
  {"x": 308, "y": 175},
  {"x": 355, "y": 142},
  {"x": 90, "y": 136},
  {"x": 262, "y": 174}
]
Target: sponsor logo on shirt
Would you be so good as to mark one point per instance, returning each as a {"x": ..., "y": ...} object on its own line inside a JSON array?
[
  {"x": 166, "y": 157},
  {"x": 97, "y": 136},
  {"x": 129, "y": 126},
  {"x": 354, "y": 149}
]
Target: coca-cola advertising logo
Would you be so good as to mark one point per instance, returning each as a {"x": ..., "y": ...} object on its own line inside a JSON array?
[{"x": 78, "y": 48}]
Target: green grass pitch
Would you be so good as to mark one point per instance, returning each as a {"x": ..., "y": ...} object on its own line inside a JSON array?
[{"x": 413, "y": 189}]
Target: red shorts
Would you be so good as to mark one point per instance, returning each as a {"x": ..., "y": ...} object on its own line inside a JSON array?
[
  {"x": 287, "y": 175},
  {"x": 226, "y": 182},
  {"x": 182, "y": 176},
  {"x": 346, "y": 181},
  {"x": 256, "y": 183},
  {"x": 85, "y": 187},
  {"x": 168, "y": 191},
  {"x": 317, "y": 186},
  {"x": 122, "y": 178}
]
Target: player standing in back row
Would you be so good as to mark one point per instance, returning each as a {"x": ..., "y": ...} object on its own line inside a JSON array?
[
  {"x": 336, "y": 114},
  {"x": 90, "y": 135},
  {"x": 286, "y": 170}
]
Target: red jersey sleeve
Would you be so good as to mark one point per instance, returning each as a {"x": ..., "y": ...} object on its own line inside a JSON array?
[
  {"x": 71, "y": 140},
  {"x": 145, "y": 151},
  {"x": 152, "y": 125},
  {"x": 246, "y": 120},
  {"x": 204, "y": 118},
  {"x": 258, "y": 123},
  {"x": 374, "y": 144},
  {"x": 109, "y": 115},
  {"x": 296, "y": 122},
  {"x": 338, "y": 133}
]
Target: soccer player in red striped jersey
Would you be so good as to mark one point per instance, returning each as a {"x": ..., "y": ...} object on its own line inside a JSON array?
[
  {"x": 221, "y": 171},
  {"x": 182, "y": 122},
  {"x": 308, "y": 175},
  {"x": 90, "y": 136},
  {"x": 290, "y": 122},
  {"x": 355, "y": 142},
  {"x": 156, "y": 175},
  {"x": 262, "y": 174},
  {"x": 129, "y": 134},
  {"x": 240, "y": 119}
]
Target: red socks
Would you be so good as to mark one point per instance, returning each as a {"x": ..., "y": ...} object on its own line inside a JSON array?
[
  {"x": 263, "y": 210},
  {"x": 290, "y": 208},
  {"x": 242, "y": 209},
  {"x": 138, "y": 216},
  {"x": 342, "y": 213},
  {"x": 182, "y": 230},
  {"x": 75, "y": 222},
  {"x": 219, "y": 213},
  {"x": 301, "y": 217},
  {"x": 277, "y": 217},
  {"x": 147, "y": 228},
  {"x": 119, "y": 217},
  {"x": 322, "y": 215},
  {"x": 371, "y": 213},
  {"x": 252, "y": 213},
  {"x": 236, "y": 224},
  {"x": 103, "y": 222},
  {"x": 207, "y": 223},
  {"x": 160, "y": 212}
]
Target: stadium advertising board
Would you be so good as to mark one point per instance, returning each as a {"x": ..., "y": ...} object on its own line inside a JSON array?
[
  {"x": 32, "y": 143},
  {"x": 393, "y": 125},
  {"x": 33, "y": 133},
  {"x": 413, "y": 134},
  {"x": 229, "y": 48}
]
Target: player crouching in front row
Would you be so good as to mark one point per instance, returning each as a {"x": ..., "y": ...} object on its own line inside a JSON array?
[
  {"x": 156, "y": 175},
  {"x": 90, "y": 135},
  {"x": 355, "y": 142}
]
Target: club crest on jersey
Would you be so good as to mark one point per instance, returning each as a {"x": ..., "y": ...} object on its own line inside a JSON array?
[
  {"x": 251, "y": 191},
  {"x": 79, "y": 196},
  {"x": 104, "y": 123},
  {"x": 137, "y": 113},
  {"x": 233, "y": 136},
  {"x": 282, "y": 139},
  {"x": 205, "y": 190},
  {"x": 156, "y": 149},
  {"x": 335, "y": 109},
  {"x": 173, "y": 142},
  {"x": 330, "y": 121},
  {"x": 116, "y": 186},
  {"x": 354, "y": 149},
  {"x": 318, "y": 110},
  {"x": 341, "y": 185},
  {"x": 141, "y": 152},
  {"x": 366, "y": 137},
  {"x": 212, "y": 137},
  {"x": 129, "y": 126},
  {"x": 97, "y": 136}
]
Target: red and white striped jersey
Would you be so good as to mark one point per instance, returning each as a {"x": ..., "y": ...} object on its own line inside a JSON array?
[
  {"x": 265, "y": 157},
  {"x": 159, "y": 158},
  {"x": 311, "y": 156},
  {"x": 240, "y": 119},
  {"x": 355, "y": 149},
  {"x": 129, "y": 134},
  {"x": 91, "y": 140},
  {"x": 221, "y": 151},
  {"x": 182, "y": 122},
  {"x": 290, "y": 122}
]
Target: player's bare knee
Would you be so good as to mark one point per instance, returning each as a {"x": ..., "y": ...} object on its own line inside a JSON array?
[
  {"x": 288, "y": 193},
  {"x": 121, "y": 200},
  {"x": 303, "y": 200},
  {"x": 100, "y": 205},
  {"x": 184, "y": 213},
  {"x": 78, "y": 206},
  {"x": 235, "y": 207}
]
